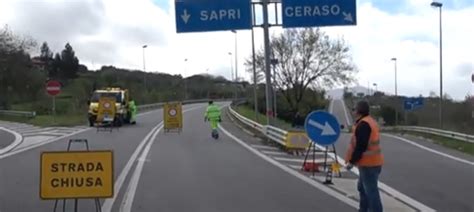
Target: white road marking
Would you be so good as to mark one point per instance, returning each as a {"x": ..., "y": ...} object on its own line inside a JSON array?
[
  {"x": 36, "y": 130},
  {"x": 430, "y": 150},
  {"x": 132, "y": 186},
  {"x": 289, "y": 170},
  {"x": 39, "y": 144},
  {"x": 108, "y": 204},
  {"x": 274, "y": 153},
  {"x": 301, "y": 160},
  {"x": 30, "y": 140},
  {"x": 131, "y": 189},
  {"x": 264, "y": 147},
  {"x": 418, "y": 205},
  {"x": 389, "y": 190},
  {"x": 298, "y": 167},
  {"x": 14, "y": 152},
  {"x": 16, "y": 142},
  {"x": 349, "y": 120}
]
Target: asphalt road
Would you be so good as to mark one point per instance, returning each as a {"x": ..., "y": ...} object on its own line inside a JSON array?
[
  {"x": 6, "y": 138},
  {"x": 441, "y": 183},
  {"x": 174, "y": 172}
]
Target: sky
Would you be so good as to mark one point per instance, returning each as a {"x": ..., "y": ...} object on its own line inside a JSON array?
[{"x": 112, "y": 32}]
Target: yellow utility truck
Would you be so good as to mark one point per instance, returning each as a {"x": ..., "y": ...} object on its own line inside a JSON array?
[{"x": 122, "y": 109}]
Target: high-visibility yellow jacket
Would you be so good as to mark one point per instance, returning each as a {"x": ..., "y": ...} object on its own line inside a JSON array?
[{"x": 213, "y": 113}]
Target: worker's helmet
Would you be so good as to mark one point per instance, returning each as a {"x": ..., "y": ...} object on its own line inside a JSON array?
[{"x": 211, "y": 102}]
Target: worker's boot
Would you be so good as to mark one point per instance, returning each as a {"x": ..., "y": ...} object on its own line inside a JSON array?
[{"x": 215, "y": 134}]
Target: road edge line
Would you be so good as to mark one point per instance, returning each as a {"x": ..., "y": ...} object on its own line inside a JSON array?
[
  {"x": 41, "y": 144},
  {"x": 288, "y": 170},
  {"x": 133, "y": 185},
  {"x": 15, "y": 143},
  {"x": 14, "y": 152},
  {"x": 430, "y": 150},
  {"x": 109, "y": 203}
]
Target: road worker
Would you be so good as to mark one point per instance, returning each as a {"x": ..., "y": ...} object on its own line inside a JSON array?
[
  {"x": 133, "y": 111},
  {"x": 213, "y": 115},
  {"x": 365, "y": 153}
]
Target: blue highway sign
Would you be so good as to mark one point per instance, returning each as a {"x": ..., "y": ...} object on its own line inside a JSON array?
[
  {"x": 322, "y": 128},
  {"x": 413, "y": 103},
  {"x": 212, "y": 15},
  {"x": 312, "y": 13}
]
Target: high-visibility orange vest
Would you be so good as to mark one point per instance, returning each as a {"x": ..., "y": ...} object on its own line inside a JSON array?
[{"x": 373, "y": 155}]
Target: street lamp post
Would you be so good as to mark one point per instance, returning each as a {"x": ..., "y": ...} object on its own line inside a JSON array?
[
  {"x": 440, "y": 6},
  {"x": 396, "y": 92},
  {"x": 231, "y": 75},
  {"x": 184, "y": 78},
  {"x": 144, "y": 67},
  {"x": 236, "y": 57}
]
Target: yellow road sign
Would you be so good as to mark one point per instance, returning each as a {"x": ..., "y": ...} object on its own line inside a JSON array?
[
  {"x": 297, "y": 140},
  {"x": 173, "y": 114},
  {"x": 106, "y": 111},
  {"x": 76, "y": 174}
]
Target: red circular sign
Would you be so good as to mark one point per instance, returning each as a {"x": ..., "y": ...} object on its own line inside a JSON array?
[{"x": 53, "y": 88}]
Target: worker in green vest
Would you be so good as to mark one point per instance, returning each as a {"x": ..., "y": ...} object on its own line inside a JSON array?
[
  {"x": 133, "y": 111},
  {"x": 213, "y": 115}
]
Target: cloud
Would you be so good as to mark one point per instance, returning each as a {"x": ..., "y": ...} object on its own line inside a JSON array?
[
  {"x": 47, "y": 20},
  {"x": 112, "y": 32}
]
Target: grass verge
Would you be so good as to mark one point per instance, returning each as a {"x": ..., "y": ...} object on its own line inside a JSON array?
[
  {"x": 48, "y": 120},
  {"x": 261, "y": 118},
  {"x": 458, "y": 145}
]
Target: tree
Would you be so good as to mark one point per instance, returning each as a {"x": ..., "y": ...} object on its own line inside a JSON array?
[
  {"x": 259, "y": 66},
  {"x": 307, "y": 59},
  {"x": 54, "y": 70},
  {"x": 18, "y": 80},
  {"x": 46, "y": 54},
  {"x": 69, "y": 63}
]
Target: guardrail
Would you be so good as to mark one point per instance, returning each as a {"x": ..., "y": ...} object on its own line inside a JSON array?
[
  {"x": 433, "y": 131},
  {"x": 27, "y": 114},
  {"x": 444, "y": 133},
  {"x": 141, "y": 108},
  {"x": 160, "y": 104},
  {"x": 276, "y": 134}
]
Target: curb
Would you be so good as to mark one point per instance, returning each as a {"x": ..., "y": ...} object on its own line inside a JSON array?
[{"x": 15, "y": 143}]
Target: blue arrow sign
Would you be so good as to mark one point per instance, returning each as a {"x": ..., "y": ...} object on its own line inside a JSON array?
[
  {"x": 212, "y": 15},
  {"x": 413, "y": 103},
  {"x": 312, "y": 13},
  {"x": 322, "y": 128}
]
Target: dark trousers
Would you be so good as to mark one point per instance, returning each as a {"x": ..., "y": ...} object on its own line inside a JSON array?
[{"x": 368, "y": 189}]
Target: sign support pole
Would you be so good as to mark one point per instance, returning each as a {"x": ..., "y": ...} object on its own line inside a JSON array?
[
  {"x": 54, "y": 109},
  {"x": 254, "y": 68},
  {"x": 268, "y": 74},
  {"x": 96, "y": 200}
]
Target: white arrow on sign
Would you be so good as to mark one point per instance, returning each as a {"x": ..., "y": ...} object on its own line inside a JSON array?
[
  {"x": 348, "y": 17},
  {"x": 185, "y": 16},
  {"x": 327, "y": 129}
]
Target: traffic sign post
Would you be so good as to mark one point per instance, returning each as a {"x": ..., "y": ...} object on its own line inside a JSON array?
[
  {"x": 106, "y": 114},
  {"x": 212, "y": 15},
  {"x": 410, "y": 104},
  {"x": 76, "y": 175},
  {"x": 311, "y": 13},
  {"x": 53, "y": 88},
  {"x": 322, "y": 128},
  {"x": 173, "y": 115}
]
